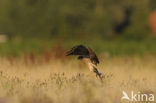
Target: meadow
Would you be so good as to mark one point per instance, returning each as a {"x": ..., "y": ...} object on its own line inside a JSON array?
[
  {"x": 35, "y": 34},
  {"x": 53, "y": 78}
]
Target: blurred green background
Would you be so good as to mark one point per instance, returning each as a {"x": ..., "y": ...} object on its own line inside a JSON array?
[{"x": 114, "y": 27}]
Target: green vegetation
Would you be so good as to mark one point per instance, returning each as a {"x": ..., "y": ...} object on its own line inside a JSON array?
[
  {"x": 108, "y": 47},
  {"x": 114, "y": 27},
  {"x": 59, "y": 18}
]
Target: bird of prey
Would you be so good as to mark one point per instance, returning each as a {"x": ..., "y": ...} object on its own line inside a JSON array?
[{"x": 86, "y": 54}]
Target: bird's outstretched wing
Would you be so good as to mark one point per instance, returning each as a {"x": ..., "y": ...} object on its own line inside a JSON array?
[
  {"x": 83, "y": 52},
  {"x": 78, "y": 50}
]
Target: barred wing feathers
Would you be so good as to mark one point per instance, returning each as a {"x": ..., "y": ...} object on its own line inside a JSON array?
[{"x": 78, "y": 50}]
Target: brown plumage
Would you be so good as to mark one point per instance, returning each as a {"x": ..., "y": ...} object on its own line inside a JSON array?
[{"x": 86, "y": 54}]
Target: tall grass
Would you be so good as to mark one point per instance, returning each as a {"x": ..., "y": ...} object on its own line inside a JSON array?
[{"x": 51, "y": 79}]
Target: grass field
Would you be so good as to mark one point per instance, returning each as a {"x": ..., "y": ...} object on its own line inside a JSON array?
[
  {"x": 117, "y": 47},
  {"x": 39, "y": 79}
]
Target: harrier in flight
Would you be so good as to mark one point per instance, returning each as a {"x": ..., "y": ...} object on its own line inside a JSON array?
[{"x": 86, "y": 54}]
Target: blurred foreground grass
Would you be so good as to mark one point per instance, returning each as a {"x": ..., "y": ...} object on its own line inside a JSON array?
[
  {"x": 23, "y": 80},
  {"x": 115, "y": 47}
]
